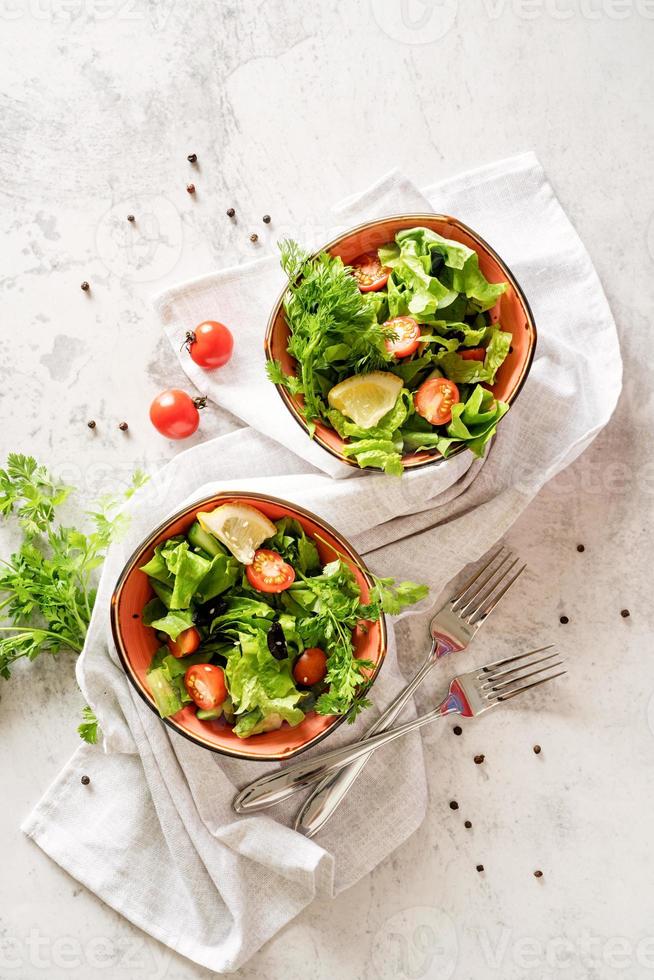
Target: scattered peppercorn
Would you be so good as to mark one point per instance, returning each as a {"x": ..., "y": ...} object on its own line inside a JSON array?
[
  {"x": 91, "y": 424},
  {"x": 123, "y": 427},
  {"x": 480, "y": 867},
  {"x": 564, "y": 620},
  {"x": 192, "y": 157},
  {"x": 457, "y": 730},
  {"x": 537, "y": 749},
  {"x": 230, "y": 212},
  {"x": 625, "y": 613},
  {"x": 454, "y": 805},
  {"x": 130, "y": 217},
  {"x": 538, "y": 874},
  {"x": 190, "y": 188},
  {"x": 580, "y": 547},
  {"x": 479, "y": 759},
  {"x": 254, "y": 237},
  {"x": 266, "y": 219},
  {"x": 85, "y": 780},
  {"x": 468, "y": 824},
  {"x": 135, "y": 615},
  {"x": 85, "y": 286}
]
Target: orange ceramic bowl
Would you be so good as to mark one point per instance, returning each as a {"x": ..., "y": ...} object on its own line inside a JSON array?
[
  {"x": 137, "y": 643},
  {"x": 512, "y": 310}
]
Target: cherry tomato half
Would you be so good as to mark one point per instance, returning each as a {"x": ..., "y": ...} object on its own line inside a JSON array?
[
  {"x": 472, "y": 354},
  {"x": 206, "y": 685},
  {"x": 269, "y": 572},
  {"x": 407, "y": 332},
  {"x": 310, "y": 667},
  {"x": 187, "y": 642},
  {"x": 175, "y": 414},
  {"x": 434, "y": 399},
  {"x": 369, "y": 273},
  {"x": 210, "y": 344}
]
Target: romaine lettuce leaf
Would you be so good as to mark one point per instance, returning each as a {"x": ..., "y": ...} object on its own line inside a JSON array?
[
  {"x": 473, "y": 422},
  {"x": 260, "y": 686},
  {"x": 458, "y": 370}
]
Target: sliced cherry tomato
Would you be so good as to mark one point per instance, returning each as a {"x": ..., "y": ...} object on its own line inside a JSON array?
[
  {"x": 175, "y": 414},
  {"x": 206, "y": 685},
  {"x": 472, "y": 354},
  {"x": 269, "y": 572},
  {"x": 210, "y": 344},
  {"x": 310, "y": 667},
  {"x": 408, "y": 336},
  {"x": 434, "y": 399},
  {"x": 187, "y": 642},
  {"x": 369, "y": 273}
]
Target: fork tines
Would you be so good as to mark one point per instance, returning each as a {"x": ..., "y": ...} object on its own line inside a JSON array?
[
  {"x": 483, "y": 591},
  {"x": 504, "y": 679}
]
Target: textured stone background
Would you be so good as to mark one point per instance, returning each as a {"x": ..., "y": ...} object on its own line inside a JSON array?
[{"x": 290, "y": 107}]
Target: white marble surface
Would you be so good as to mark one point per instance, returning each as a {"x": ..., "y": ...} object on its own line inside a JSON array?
[{"x": 289, "y": 107}]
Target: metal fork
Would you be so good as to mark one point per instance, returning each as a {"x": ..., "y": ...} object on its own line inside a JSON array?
[
  {"x": 451, "y": 629},
  {"x": 469, "y": 694}
]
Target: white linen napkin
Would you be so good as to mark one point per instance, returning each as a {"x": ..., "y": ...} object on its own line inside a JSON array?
[{"x": 153, "y": 834}]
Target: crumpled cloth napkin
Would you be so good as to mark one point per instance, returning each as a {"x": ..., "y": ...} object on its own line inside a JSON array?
[{"x": 153, "y": 835}]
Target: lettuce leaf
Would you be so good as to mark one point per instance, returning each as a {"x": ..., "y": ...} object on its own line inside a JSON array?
[
  {"x": 473, "y": 422},
  {"x": 260, "y": 686},
  {"x": 461, "y": 371}
]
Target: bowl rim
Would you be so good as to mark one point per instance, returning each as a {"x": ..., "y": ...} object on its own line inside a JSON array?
[
  {"x": 431, "y": 456},
  {"x": 130, "y": 566}
]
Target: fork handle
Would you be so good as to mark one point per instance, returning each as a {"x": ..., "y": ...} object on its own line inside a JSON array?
[
  {"x": 331, "y": 791},
  {"x": 278, "y": 786}
]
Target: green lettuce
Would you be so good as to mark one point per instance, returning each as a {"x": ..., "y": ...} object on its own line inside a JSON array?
[
  {"x": 261, "y": 687},
  {"x": 461, "y": 371},
  {"x": 473, "y": 422}
]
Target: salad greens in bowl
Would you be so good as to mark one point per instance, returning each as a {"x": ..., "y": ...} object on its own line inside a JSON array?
[
  {"x": 402, "y": 342},
  {"x": 251, "y": 626}
]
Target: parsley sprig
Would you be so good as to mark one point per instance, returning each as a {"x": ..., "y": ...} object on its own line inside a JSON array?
[{"x": 47, "y": 587}]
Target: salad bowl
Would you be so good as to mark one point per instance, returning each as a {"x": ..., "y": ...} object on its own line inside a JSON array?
[
  {"x": 136, "y": 643},
  {"x": 511, "y": 310}
]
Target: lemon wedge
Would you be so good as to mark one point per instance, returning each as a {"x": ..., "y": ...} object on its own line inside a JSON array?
[
  {"x": 366, "y": 398},
  {"x": 241, "y": 528}
]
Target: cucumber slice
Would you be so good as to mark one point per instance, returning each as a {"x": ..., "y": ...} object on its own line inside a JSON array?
[{"x": 207, "y": 542}]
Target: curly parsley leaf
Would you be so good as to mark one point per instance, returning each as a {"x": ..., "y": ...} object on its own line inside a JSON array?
[{"x": 88, "y": 730}]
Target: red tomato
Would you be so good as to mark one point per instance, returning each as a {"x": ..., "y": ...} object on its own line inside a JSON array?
[
  {"x": 408, "y": 336},
  {"x": 175, "y": 414},
  {"x": 472, "y": 354},
  {"x": 210, "y": 345},
  {"x": 434, "y": 399},
  {"x": 187, "y": 642},
  {"x": 269, "y": 572},
  {"x": 369, "y": 272},
  {"x": 310, "y": 667},
  {"x": 206, "y": 685}
]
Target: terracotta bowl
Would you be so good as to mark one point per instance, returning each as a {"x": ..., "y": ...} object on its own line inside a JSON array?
[
  {"x": 136, "y": 643},
  {"x": 512, "y": 310}
]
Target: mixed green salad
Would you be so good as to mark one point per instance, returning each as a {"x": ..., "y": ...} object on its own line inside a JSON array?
[
  {"x": 396, "y": 350},
  {"x": 254, "y": 635}
]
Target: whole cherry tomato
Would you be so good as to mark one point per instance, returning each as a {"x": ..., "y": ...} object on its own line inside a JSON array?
[
  {"x": 175, "y": 414},
  {"x": 210, "y": 344}
]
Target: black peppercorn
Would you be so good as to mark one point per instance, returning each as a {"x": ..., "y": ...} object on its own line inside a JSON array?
[
  {"x": 254, "y": 237},
  {"x": 479, "y": 759},
  {"x": 130, "y": 217},
  {"x": 564, "y": 620},
  {"x": 537, "y": 749},
  {"x": 454, "y": 805},
  {"x": 580, "y": 547},
  {"x": 230, "y": 212},
  {"x": 266, "y": 219},
  {"x": 192, "y": 157},
  {"x": 480, "y": 867},
  {"x": 190, "y": 188},
  {"x": 468, "y": 824},
  {"x": 85, "y": 286},
  {"x": 85, "y": 780},
  {"x": 91, "y": 424},
  {"x": 538, "y": 874},
  {"x": 625, "y": 613},
  {"x": 123, "y": 427}
]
